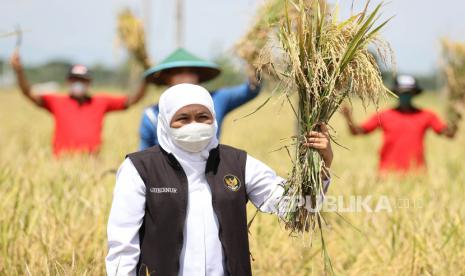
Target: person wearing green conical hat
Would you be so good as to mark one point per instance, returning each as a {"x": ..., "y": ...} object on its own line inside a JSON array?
[{"x": 180, "y": 67}]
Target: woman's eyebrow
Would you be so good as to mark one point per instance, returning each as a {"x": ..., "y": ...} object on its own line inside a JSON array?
[
  {"x": 203, "y": 113},
  {"x": 182, "y": 115}
]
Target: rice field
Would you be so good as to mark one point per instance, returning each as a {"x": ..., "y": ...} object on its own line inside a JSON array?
[{"x": 53, "y": 213}]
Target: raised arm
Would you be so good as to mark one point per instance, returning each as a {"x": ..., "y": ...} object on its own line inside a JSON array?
[
  {"x": 254, "y": 78},
  {"x": 22, "y": 81},
  {"x": 440, "y": 127},
  {"x": 452, "y": 124},
  {"x": 449, "y": 132},
  {"x": 137, "y": 95},
  {"x": 148, "y": 129},
  {"x": 264, "y": 188},
  {"x": 235, "y": 96},
  {"x": 354, "y": 128}
]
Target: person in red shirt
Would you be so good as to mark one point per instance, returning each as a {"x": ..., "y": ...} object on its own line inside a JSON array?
[
  {"x": 78, "y": 116},
  {"x": 404, "y": 129}
]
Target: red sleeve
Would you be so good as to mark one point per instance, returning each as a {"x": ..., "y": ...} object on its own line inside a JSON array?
[
  {"x": 49, "y": 101},
  {"x": 372, "y": 123},
  {"x": 115, "y": 103},
  {"x": 436, "y": 124}
]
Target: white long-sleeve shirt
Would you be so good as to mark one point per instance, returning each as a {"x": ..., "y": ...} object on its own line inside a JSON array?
[{"x": 202, "y": 252}]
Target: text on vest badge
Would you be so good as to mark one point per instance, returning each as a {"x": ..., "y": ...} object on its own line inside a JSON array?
[{"x": 164, "y": 190}]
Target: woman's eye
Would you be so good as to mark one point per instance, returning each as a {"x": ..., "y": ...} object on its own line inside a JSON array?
[{"x": 182, "y": 119}]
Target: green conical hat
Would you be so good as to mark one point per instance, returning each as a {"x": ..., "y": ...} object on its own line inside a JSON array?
[{"x": 182, "y": 59}]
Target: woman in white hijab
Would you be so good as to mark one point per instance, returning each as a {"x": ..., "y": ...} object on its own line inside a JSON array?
[{"x": 179, "y": 208}]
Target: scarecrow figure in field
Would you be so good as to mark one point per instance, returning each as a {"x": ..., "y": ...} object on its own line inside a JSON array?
[
  {"x": 183, "y": 67},
  {"x": 180, "y": 208},
  {"x": 78, "y": 115},
  {"x": 404, "y": 128}
]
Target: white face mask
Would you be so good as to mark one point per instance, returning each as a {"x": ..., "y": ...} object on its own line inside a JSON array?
[
  {"x": 193, "y": 137},
  {"x": 78, "y": 88}
]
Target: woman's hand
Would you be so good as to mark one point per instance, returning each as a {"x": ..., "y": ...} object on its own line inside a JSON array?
[{"x": 320, "y": 140}]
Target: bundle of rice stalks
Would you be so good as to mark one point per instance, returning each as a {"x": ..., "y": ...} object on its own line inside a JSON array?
[
  {"x": 18, "y": 33},
  {"x": 265, "y": 28},
  {"x": 324, "y": 61},
  {"x": 131, "y": 33},
  {"x": 269, "y": 14},
  {"x": 453, "y": 54}
]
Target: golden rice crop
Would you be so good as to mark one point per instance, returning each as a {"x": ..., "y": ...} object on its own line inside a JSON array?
[
  {"x": 453, "y": 54},
  {"x": 53, "y": 213},
  {"x": 268, "y": 16},
  {"x": 323, "y": 61},
  {"x": 131, "y": 32},
  {"x": 264, "y": 28}
]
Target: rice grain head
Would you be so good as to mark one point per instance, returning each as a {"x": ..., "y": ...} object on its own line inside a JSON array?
[
  {"x": 264, "y": 29},
  {"x": 132, "y": 34},
  {"x": 322, "y": 62},
  {"x": 453, "y": 66}
]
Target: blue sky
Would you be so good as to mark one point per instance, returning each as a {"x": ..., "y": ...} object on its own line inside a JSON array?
[{"x": 84, "y": 31}]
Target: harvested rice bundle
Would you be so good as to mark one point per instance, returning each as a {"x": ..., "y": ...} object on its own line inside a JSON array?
[
  {"x": 269, "y": 14},
  {"x": 453, "y": 54},
  {"x": 19, "y": 36},
  {"x": 131, "y": 33},
  {"x": 265, "y": 28},
  {"x": 323, "y": 61}
]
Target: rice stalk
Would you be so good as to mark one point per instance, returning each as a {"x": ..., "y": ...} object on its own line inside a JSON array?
[
  {"x": 264, "y": 29},
  {"x": 132, "y": 34},
  {"x": 249, "y": 47},
  {"x": 453, "y": 56},
  {"x": 322, "y": 61}
]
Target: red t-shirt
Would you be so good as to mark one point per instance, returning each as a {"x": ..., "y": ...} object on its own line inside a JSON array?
[
  {"x": 403, "y": 135},
  {"x": 79, "y": 127}
]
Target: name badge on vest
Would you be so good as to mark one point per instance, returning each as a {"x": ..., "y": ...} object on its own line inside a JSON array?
[
  {"x": 232, "y": 182},
  {"x": 164, "y": 190}
]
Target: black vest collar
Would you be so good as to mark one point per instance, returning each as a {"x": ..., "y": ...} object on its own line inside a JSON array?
[
  {"x": 213, "y": 161},
  {"x": 171, "y": 159}
]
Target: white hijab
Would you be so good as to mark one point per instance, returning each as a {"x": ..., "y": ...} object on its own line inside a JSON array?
[{"x": 173, "y": 99}]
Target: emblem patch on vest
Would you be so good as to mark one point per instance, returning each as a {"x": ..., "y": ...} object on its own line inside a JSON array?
[{"x": 232, "y": 182}]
